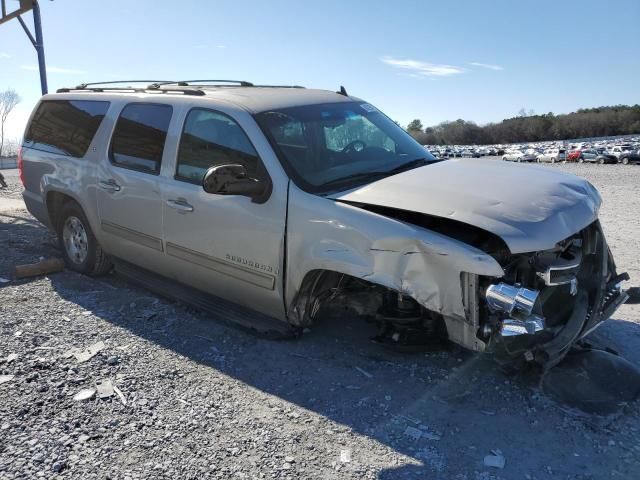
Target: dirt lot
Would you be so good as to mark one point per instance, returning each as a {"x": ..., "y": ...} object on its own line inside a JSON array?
[{"x": 207, "y": 401}]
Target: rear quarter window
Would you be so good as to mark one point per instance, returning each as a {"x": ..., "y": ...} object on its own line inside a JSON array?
[{"x": 65, "y": 127}]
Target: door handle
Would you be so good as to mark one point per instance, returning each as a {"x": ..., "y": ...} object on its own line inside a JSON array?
[
  {"x": 109, "y": 185},
  {"x": 180, "y": 204}
]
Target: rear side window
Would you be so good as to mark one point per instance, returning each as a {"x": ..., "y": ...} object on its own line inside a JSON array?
[
  {"x": 211, "y": 138},
  {"x": 139, "y": 137},
  {"x": 65, "y": 127}
]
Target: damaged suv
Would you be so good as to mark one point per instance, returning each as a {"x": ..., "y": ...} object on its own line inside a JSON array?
[{"x": 266, "y": 204}]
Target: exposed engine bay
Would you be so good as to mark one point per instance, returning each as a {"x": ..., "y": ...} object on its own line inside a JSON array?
[{"x": 545, "y": 302}]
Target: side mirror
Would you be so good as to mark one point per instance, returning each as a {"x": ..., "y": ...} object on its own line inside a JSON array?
[{"x": 231, "y": 179}]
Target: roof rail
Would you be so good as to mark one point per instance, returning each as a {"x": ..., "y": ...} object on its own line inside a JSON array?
[
  {"x": 184, "y": 91},
  {"x": 111, "y": 82},
  {"x": 189, "y": 83}
]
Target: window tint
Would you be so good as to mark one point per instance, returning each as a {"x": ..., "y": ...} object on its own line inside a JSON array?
[
  {"x": 65, "y": 127},
  {"x": 139, "y": 137},
  {"x": 209, "y": 139}
]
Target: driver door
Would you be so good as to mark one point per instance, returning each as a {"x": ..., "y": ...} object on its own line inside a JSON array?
[{"x": 226, "y": 245}]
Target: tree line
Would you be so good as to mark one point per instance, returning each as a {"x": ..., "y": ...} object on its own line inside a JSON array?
[{"x": 584, "y": 123}]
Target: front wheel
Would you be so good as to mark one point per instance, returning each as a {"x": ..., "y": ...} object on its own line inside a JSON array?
[
  {"x": 601, "y": 161},
  {"x": 625, "y": 161},
  {"x": 82, "y": 252},
  {"x": 581, "y": 160}
]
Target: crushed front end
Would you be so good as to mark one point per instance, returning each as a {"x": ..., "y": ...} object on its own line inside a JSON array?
[{"x": 548, "y": 300}]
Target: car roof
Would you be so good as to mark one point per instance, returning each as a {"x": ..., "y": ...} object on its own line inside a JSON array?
[
  {"x": 254, "y": 99},
  {"x": 261, "y": 99}
]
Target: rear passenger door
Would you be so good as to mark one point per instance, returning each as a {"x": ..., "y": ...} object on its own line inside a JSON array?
[
  {"x": 128, "y": 191},
  {"x": 226, "y": 245}
]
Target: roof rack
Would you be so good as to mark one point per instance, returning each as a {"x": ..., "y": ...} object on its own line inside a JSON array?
[
  {"x": 89, "y": 87},
  {"x": 193, "y": 87},
  {"x": 189, "y": 83},
  {"x": 184, "y": 91}
]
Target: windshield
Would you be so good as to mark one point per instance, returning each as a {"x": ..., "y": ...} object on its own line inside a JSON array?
[{"x": 339, "y": 145}]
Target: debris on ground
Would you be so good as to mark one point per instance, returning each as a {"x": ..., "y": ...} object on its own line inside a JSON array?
[
  {"x": 84, "y": 394},
  {"x": 495, "y": 460},
  {"x": 105, "y": 389},
  {"x": 86, "y": 354},
  {"x": 43, "y": 267},
  {"x": 6, "y": 378},
  {"x": 345, "y": 455},
  {"x": 11, "y": 357},
  {"x": 364, "y": 372},
  {"x": 413, "y": 433},
  {"x": 121, "y": 396}
]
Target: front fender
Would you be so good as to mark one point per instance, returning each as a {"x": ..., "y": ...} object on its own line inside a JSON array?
[{"x": 327, "y": 235}]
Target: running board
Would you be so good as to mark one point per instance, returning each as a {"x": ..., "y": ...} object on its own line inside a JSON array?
[{"x": 220, "y": 310}]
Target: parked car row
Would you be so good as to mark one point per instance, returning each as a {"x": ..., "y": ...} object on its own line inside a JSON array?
[{"x": 610, "y": 150}]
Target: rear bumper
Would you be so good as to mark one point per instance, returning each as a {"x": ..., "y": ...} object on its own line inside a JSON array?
[{"x": 36, "y": 207}]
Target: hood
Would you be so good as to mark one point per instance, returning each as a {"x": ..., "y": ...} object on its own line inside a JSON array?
[{"x": 530, "y": 207}]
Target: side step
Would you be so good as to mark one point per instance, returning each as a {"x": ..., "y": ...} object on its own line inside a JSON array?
[{"x": 221, "y": 310}]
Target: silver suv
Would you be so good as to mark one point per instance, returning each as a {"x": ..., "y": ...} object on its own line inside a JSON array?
[{"x": 268, "y": 205}]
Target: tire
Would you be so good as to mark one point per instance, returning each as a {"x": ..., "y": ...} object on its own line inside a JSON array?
[
  {"x": 601, "y": 161},
  {"x": 81, "y": 251},
  {"x": 504, "y": 159},
  {"x": 580, "y": 160},
  {"x": 553, "y": 160},
  {"x": 625, "y": 161}
]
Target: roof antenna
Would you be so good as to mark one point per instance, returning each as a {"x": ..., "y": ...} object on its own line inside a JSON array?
[{"x": 342, "y": 91}]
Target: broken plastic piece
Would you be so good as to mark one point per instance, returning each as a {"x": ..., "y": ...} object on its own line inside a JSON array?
[
  {"x": 123, "y": 399},
  {"x": 105, "y": 389},
  {"x": 86, "y": 354},
  {"x": 84, "y": 394},
  {"x": 495, "y": 461}
]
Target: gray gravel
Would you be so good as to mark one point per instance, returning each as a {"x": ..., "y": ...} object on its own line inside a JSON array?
[{"x": 207, "y": 401}]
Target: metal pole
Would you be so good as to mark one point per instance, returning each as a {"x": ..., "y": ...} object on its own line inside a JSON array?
[{"x": 37, "y": 23}]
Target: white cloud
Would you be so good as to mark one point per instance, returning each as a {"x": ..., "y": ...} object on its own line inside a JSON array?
[
  {"x": 4, "y": 55},
  {"x": 487, "y": 65},
  {"x": 66, "y": 71},
  {"x": 422, "y": 68}
]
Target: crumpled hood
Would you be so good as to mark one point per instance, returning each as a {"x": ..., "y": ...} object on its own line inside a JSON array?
[{"x": 530, "y": 207}]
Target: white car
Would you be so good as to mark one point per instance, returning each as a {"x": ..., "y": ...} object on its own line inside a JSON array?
[
  {"x": 553, "y": 155},
  {"x": 619, "y": 150},
  {"x": 518, "y": 156}
]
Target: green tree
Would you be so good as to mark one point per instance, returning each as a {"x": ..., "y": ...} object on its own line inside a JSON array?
[{"x": 415, "y": 126}]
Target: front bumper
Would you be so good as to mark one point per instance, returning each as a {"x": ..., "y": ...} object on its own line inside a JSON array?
[{"x": 592, "y": 297}]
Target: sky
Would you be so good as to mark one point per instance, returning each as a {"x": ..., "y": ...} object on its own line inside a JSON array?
[{"x": 480, "y": 60}]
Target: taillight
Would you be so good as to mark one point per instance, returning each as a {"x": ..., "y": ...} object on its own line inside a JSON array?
[{"x": 21, "y": 166}]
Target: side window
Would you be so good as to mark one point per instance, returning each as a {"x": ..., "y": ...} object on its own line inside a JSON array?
[
  {"x": 65, "y": 127},
  {"x": 139, "y": 137},
  {"x": 210, "y": 138}
]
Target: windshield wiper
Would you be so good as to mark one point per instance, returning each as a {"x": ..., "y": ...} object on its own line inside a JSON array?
[
  {"x": 374, "y": 175},
  {"x": 355, "y": 177},
  {"x": 418, "y": 162}
]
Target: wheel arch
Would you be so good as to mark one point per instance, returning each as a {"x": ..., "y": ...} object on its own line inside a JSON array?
[{"x": 54, "y": 201}]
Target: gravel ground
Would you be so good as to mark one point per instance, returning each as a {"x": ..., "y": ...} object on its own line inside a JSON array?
[{"x": 207, "y": 401}]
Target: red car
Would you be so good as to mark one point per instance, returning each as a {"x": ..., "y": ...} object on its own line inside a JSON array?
[{"x": 574, "y": 155}]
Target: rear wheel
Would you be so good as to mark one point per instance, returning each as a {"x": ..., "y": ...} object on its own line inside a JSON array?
[
  {"x": 625, "y": 161},
  {"x": 82, "y": 252},
  {"x": 580, "y": 160},
  {"x": 601, "y": 161}
]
